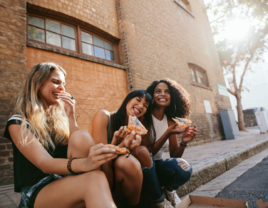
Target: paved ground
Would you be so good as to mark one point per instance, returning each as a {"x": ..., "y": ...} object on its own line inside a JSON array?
[
  {"x": 251, "y": 186},
  {"x": 197, "y": 156},
  {"x": 247, "y": 181}
]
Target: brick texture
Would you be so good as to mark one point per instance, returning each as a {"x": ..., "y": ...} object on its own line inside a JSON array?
[
  {"x": 159, "y": 39},
  {"x": 94, "y": 86},
  {"x": 156, "y": 39},
  {"x": 12, "y": 71}
]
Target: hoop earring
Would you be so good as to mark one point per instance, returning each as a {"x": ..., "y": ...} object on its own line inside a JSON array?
[{"x": 174, "y": 108}]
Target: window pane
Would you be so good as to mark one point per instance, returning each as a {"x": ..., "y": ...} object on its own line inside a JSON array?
[
  {"x": 68, "y": 31},
  {"x": 192, "y": 75},
  {"x": 109, "y": 55},
  {"x": 36, "y": 33},
  {"x": 53, "y": 39},
  {"x": 86, "y": 37},
  {"x": 36, "y": 21},
  {"x": 98, "y": 41},
  {"x": 87, "y": 49},
  {"x": 109, "y": 46},
  {"x": 99, "y": 52},
  {"x": 68, "y": 43},
  {"x": 200, "y": 78},
  {"x": 53, "y": 26}
]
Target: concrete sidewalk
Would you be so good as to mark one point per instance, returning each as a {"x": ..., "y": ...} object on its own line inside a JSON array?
[{"x": 208, "y": 161}]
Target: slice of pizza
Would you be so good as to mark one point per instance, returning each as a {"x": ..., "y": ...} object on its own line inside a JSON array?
[
  {"x": 119, "y": 150},
  {"x": 182, "y": 122},
  {"x": 136, "y": 125}
]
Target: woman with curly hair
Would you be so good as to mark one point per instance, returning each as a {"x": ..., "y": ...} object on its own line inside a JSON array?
[{"x": 169, "y": 100}]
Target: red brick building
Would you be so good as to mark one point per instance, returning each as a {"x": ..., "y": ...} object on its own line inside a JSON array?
[{"x": 108, "y": 48}]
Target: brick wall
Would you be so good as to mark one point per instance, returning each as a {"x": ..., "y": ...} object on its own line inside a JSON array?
[
  {"x": 101, "y": 14},
  {"x": 160, "y": 39},
  {"x": 12, "y": 73},
  {"x": 94, "y": 86}
]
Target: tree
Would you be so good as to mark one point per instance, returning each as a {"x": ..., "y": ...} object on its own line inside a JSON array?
[{"x": 238, "y": 49}]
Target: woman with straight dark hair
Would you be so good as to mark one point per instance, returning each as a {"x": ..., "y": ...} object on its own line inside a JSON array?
[
  {"x": 125, "y": 173},
  {"x": 44, "y": 133},
  {"x": 170, "y": 100}
]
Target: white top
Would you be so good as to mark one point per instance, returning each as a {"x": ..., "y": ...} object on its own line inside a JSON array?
[{"x": 160, "y": 128}]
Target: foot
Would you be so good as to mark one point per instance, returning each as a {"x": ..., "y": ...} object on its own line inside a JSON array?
[
  {"x": 164, "y": 204},
  {"x": 173, "y": 197}
]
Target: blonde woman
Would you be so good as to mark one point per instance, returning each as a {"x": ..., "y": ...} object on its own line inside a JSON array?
[{"x": 44, "y": 134}]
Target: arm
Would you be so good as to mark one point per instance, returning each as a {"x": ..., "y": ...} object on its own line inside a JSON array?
[
  {"x": 69, "y": 106},
  {"x": 98, "y": 127},
  {"x": 39, "y": 156},
  {"x": 176, "y": 150},
  {"x": 169, "y": 133}
]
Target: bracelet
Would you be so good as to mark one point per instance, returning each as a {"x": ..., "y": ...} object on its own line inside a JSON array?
[
  {"x": 183, "y": 145},
  {"x": 69, "y": 166}
]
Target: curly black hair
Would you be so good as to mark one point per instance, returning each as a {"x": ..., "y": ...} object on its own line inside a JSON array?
[{"x": 180, "y": 105}]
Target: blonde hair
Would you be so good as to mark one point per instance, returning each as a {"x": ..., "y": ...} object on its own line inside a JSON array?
[{"x": 51, "y": 127}]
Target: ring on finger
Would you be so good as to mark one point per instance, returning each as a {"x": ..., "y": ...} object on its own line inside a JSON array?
[{"x": 72, "y": 97}]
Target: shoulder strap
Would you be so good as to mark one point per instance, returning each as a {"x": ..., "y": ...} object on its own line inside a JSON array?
[{"x": 109, "y": 136}]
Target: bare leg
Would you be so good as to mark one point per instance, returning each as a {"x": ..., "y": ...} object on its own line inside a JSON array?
[
  {"x": 80, "y": 143},
  {"x": 128, "y": 178},
  {"x": 86, "y": 190},
  {"x": 143, "y": 156}
]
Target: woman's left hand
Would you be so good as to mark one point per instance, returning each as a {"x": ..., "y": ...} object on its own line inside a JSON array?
[
  {"x": 189, "y": 134},
  {"x": 69, "y": 104}
]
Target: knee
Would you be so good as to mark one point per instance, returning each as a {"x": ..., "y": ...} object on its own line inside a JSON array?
[
  {"x": 143, "y": 156},
  {"x": 184, "y": 164},
  {"x": 129, "y": 166},
  {"x": 79, "y": 141}
]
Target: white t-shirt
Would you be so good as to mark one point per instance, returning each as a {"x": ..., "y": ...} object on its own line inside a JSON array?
[{"x": 160, "y": 128}]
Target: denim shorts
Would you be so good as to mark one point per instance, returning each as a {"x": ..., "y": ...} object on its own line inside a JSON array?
[{"x": 29, "y": 193}]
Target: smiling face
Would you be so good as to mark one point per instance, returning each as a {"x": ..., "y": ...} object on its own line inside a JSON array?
[
  {"x": 137, "y": 106},
  {"x": 162, "y": 95},
  {"x": 52, "y": 87}
]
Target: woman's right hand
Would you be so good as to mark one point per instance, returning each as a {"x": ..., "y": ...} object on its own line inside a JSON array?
[
  {"x": 131, "y": 141},
  {"x": 119, "y": 135},
  {"x": 174, "y": 130},
  {"x": 98, "y": 155}
]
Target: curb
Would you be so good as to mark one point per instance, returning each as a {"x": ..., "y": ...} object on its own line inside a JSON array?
[{"x": 210, "y": 168}]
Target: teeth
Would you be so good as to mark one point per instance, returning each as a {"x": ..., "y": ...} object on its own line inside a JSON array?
[
  {"x": 136, "y": 110},
  {"x": 162, "y": 99}
]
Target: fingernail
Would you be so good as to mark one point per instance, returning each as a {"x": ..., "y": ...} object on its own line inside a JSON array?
[
  {"x": 121, "y": 127},
  {"x": 138, "y": 136},
  {"x": 125, "y": 127},
  {"x": 113, "y": 150},
  {"x": 133, "y": 132}
]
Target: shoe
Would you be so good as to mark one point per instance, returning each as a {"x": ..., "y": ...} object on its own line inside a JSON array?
[
  {"x": 173, "y": 197},
  {"x": 164, "y": 204}
]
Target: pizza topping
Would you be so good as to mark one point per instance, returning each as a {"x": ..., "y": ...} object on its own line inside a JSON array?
[
  {"x": 182, "y": 122},
  {"x": 119, "y": 150},
  {"x": 135, "y": 125}
]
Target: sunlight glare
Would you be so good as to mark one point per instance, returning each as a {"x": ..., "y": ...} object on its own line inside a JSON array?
[{"x": 236, "y": 30}]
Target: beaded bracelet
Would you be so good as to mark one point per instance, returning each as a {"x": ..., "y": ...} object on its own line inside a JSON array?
[
  {"x": 69, "y": 166},
  {"x": 183, "y": 145}
]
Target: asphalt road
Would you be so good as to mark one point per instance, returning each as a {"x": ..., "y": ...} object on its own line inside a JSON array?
[{"x": 250, "y": 186}]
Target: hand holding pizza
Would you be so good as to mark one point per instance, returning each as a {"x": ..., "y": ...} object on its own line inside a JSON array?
[
  {"x": 98, "y": 155},
  {"x": 119, "y": 135},
  {"x": 131, "y": 141},
  {"x": 189, "y": 134}
]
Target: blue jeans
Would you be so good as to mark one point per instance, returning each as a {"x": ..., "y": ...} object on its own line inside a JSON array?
[{"x": 164, "y": 173}]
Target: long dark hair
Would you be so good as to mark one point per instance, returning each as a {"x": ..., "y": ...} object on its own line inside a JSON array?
[
  {"x": 119, "y": 118},
  {"x": 180, "y": 99}
]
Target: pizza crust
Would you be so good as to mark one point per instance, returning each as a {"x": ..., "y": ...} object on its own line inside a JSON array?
[{"x": 119, "y": 150}]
